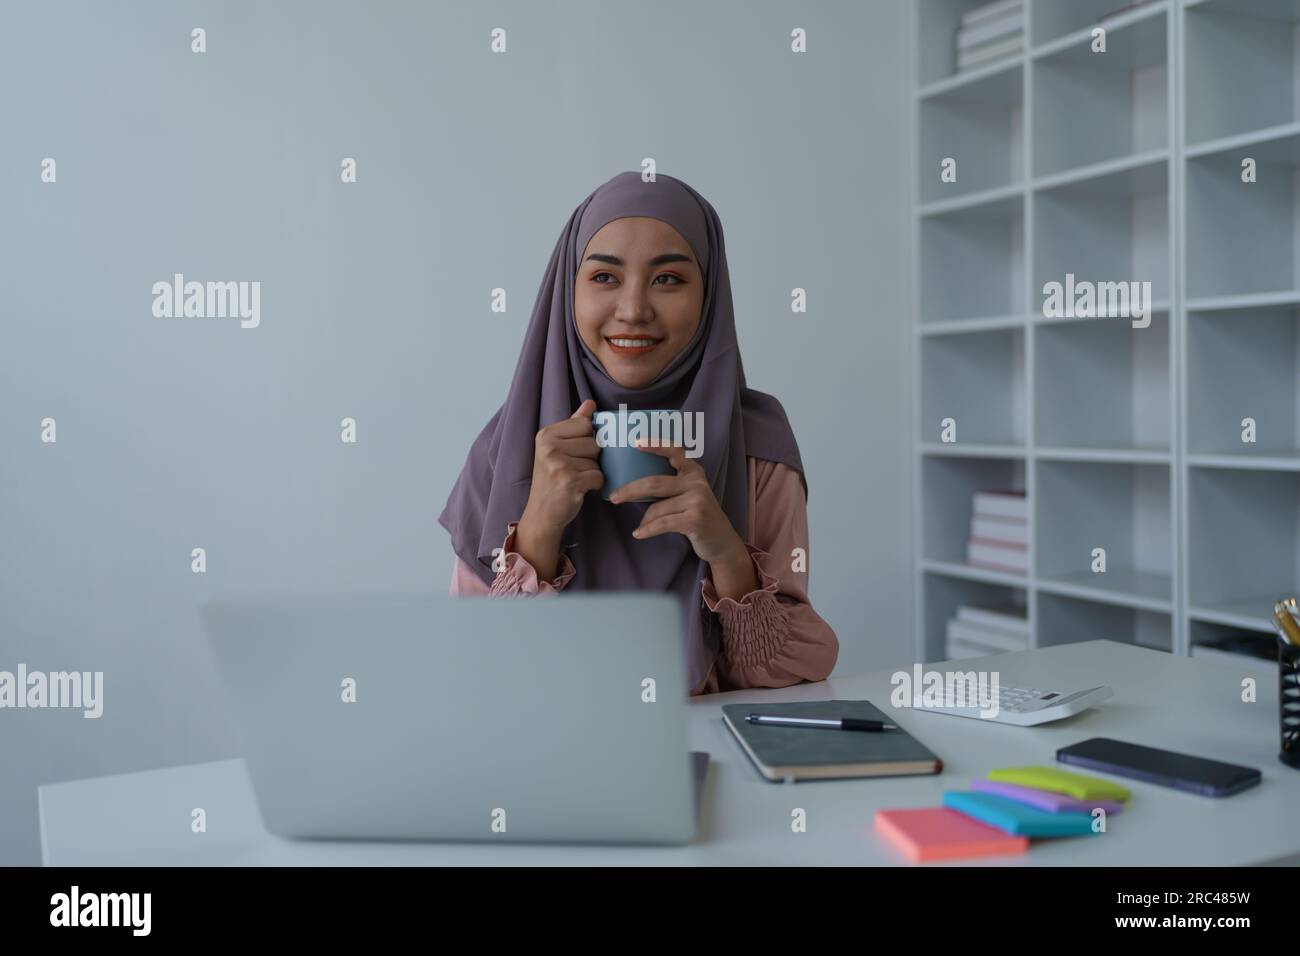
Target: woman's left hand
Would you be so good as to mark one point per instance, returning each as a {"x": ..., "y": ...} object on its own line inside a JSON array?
[{"x": 688, "y": 506}]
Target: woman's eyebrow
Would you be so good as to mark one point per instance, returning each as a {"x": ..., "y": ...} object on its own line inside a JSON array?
[{"x": 656, "y": 261}]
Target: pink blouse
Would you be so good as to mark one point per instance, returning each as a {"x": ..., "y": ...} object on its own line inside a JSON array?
[{"x": 771, "y": 637}]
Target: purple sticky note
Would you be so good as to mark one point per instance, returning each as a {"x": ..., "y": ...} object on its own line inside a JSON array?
[{"x": 1045, "y": 799}]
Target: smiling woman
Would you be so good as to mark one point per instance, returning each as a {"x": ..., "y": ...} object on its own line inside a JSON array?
[{"x": 636, "y": 310}]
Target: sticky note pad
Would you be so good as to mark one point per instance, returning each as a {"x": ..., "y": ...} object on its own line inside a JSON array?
[
  {"x": 1076, "y": 785},
  {"x": 1019, "y": 819},
  {"x": 1045, "y": 799},
  {"x": 938, "y": 833}
]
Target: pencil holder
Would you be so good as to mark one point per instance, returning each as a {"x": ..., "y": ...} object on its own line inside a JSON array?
[{"x": 1288, "y": 697}]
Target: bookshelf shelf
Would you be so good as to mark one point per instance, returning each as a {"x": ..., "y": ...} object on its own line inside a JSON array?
[
  {"x": 1119, "y": 176},
  {"x": 1276, "y": 9},
  {"x": 1129, "y": 169},
  {"x": 1068, "y": 22},
  {"x": 1105, "y": 385},
  {"x": 1242, "y": 542},
  {"x": 1271, "y": 461},
  {"x": 1158, "y": 307},
  {"x": 958, "y": 326},
  {"x": 1122, "y": 509},
  {"x": 1241, "y": 66},
  {"x": 975, "y": 382},
  {"x": 949, "y": 484},
  {"x": 1241, "y": 236},
  {"x": 1244, "y": 364},
  {"x": 1241, "y": 273},
  {"x": 1111, "y": 227},
  {"x": 972, "y": 260},
  {"x": 1129, "y": 34},
  {"x": 1249, "y": 301},
  {"x": 1092, "y": 107},
  {"x": 1064, "y": 620},
  {"x": 1240, "y": 613},
  {"x": 1128, "y": 456},
  {"x": 973, "y": 200},
  {"x": 1244, "y": 140},
  {"x": 969, "y": 450},
  {"x": 968, "y": 572},
  {"x": 935, "y": 30},
  {"x": 977, "y": 124},
  {"x": 945, "y": 593},
  {"x": 1137, "y": 589},
  {"x": 956, "y": 81}
]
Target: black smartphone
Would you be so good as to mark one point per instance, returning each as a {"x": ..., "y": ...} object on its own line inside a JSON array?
[{"x": 1210, "y": 778}]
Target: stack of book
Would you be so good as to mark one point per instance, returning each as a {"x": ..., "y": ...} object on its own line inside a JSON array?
[
  {"x": 991, "y": 32},
  {"x": 981, "y": 631},
  {"x": 999, "y": 532}
]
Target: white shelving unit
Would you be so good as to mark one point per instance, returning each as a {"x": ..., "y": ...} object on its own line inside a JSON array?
[{"x": 1125, "y": 165}]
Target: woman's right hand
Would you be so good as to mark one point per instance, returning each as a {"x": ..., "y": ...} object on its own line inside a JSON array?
[{"x": 565, "y": 468}]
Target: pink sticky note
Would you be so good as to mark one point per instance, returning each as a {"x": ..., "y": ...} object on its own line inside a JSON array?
[{"x": 938, "y": 833}]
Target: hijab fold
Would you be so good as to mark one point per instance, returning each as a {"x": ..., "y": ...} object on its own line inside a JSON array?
[{"x": 556, "y": 372}]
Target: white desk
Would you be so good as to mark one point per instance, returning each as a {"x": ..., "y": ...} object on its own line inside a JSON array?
[{"x": 1160, "y": 700}]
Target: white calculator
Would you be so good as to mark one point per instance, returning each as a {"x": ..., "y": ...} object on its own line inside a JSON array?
[{"x": 1025, "y": 706}]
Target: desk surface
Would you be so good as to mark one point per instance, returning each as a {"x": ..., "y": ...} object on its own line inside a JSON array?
[{"x": 1160, "y": 700}]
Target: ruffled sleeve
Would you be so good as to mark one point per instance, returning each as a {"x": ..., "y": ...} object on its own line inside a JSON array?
[
  {"x": 772, "y": 637},
  {"x": 516, "y": 578}
]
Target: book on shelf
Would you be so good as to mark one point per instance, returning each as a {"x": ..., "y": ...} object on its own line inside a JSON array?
[
  {"x": 1000, "y": 503},
  {"x": 1007, "y": 618},
  {"x": 987, "y": 53},
  {"x": 991, "y": 11},
  {"x": 995, "y": 642},
  {"x": 1002, "y": 530},
  {"x": 996, "y": 556}
]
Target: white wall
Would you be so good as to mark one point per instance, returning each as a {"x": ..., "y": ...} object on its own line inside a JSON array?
[{"x": 174, "y": 435}]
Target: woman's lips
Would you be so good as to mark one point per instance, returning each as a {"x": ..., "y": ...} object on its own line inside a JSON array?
[{"x": 631, "y": 350}]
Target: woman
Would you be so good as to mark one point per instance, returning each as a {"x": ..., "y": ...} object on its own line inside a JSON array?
[{"x": 635, "y": 308}]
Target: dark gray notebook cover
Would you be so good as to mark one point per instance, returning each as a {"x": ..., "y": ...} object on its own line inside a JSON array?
[{"x": 803, "y": 752}]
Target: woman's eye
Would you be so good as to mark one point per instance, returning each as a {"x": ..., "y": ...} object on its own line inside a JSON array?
[{"x": 667, "y": 275}]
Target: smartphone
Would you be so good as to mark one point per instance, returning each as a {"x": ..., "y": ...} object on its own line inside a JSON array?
[{"x": 1210, "y": 778}]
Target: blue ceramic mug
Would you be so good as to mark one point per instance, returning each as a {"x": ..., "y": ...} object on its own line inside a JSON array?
[{"x": 623, "y": 463}]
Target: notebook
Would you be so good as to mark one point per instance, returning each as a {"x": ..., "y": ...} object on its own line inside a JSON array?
[
  {"x": 804, "y": 753},
  {"x": 1017, "y": 818},
  {"x": 1077, "y": 785},
  {"x": 938, "y": 833}
]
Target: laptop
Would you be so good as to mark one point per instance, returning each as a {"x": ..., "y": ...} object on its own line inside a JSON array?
[{"x": 427, "y": 717}]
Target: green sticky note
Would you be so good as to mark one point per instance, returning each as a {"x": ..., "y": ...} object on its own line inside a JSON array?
[{"x": 1075, "y": 785}]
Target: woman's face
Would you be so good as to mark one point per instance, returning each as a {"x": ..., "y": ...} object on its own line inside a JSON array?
[{"x": 637, "y": 298}]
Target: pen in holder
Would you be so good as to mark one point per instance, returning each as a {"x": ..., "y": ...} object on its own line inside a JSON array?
[{"x": 1286, "y": 618}]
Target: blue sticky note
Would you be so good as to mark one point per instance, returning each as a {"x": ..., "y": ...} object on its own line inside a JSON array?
[{"x": 1015, "y": 817}]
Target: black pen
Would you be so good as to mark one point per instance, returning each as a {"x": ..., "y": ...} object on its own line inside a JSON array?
[{"x": 834, "y": 723}]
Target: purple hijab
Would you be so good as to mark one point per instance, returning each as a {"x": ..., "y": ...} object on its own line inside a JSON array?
[{"x": 556, "y": 372}]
